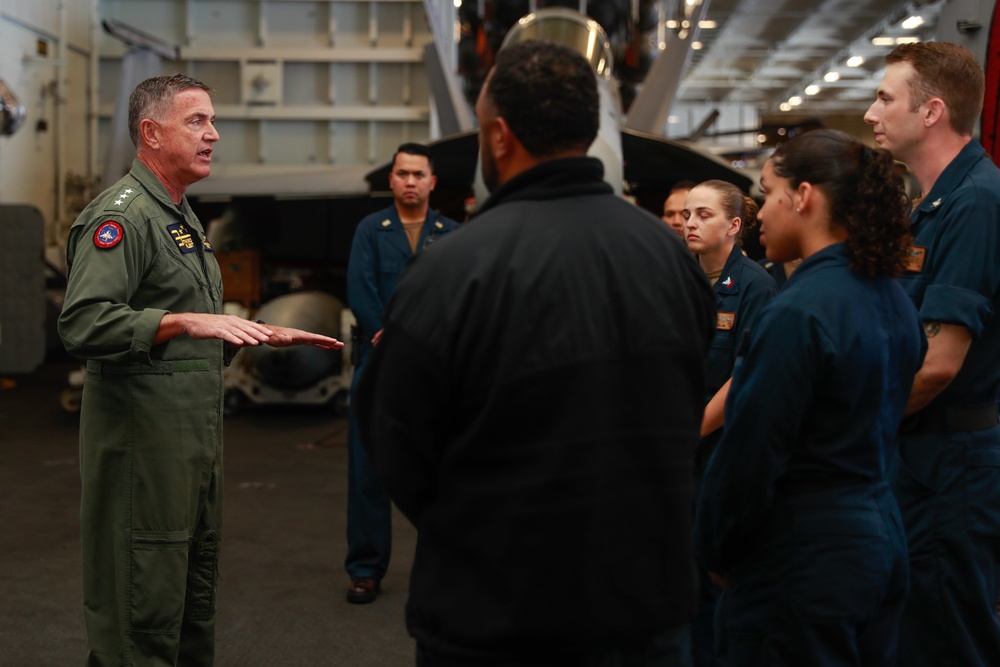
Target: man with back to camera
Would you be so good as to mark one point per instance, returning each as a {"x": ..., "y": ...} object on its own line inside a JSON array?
[
  {"x": 534, "y": 401},
  {"x": 142, "y": 307},
  {"x": 947, "y": 471},
  {"x": 384, "y": 243}
]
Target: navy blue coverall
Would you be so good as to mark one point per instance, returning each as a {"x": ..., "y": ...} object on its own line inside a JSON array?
[
  {"x": 794, "y": 504},
  {"x": 741, "y": 292},
  {"x": 380, "y": 252},
  {"x": 947, "y": 474}
]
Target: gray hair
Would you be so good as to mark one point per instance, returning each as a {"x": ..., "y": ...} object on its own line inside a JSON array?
[{"x": 151, "y": 97}]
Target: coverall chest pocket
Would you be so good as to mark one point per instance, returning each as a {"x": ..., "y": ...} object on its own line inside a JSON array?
[{"x": 390, "y": 271}]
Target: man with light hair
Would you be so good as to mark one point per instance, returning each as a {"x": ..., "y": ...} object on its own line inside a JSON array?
[{"x": 946, "y": 474}]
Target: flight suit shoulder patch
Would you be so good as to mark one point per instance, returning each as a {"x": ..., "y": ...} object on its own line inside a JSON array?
[
  {"x": 108, "y": 234},
  {"x": 123, "y": 199}
]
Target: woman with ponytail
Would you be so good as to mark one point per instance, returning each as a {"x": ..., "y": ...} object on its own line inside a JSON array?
[
  {"x": 717, "y": 217},
  {"x": 795, "y": 518}
]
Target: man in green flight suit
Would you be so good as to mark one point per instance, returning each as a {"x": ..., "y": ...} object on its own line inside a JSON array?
[{"x": 143, "y": 308}]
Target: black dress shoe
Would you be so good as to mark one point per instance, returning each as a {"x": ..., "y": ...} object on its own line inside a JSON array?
[{"x": 363, "y": 591}]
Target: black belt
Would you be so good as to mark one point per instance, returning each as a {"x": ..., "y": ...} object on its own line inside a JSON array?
[{"x": 951, "y": 420}]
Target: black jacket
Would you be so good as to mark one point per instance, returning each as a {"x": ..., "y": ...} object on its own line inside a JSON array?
[{"x": 533, "y": 408}]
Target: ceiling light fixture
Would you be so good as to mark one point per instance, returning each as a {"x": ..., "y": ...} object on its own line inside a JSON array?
[
  {"x": 912, "y": 23},
  {"x": 883, "y": 41},
  {"x": 855, "y": 61},
  {"x": 812, "y": 89},
  {"x": 795, "y": 100},
  {"x": 830, "y": 77},
  {"x": 912, "y": 39},
  {"x": 707, "y": 24}
]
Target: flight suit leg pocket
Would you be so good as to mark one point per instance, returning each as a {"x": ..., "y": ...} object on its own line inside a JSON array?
[
  {"x": 156, "y": 586},
  {"x": 202, "y": 577}
]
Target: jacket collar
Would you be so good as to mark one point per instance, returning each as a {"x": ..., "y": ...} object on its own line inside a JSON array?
[
  {"x": 553, "y": 179},
  {"x": 153, "y": 187},
  {"x": 952, "y": 176},
  {"x": 832, "y": 255},
  {"x": 396, "y": 233},
  {"x": 731, "y": 278}
]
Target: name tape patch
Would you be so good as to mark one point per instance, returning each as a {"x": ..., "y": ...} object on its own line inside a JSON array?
[{"x": 914, "y": 259}]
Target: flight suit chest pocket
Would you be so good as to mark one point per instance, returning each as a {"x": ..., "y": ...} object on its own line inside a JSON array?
[{"x": 184, "y": 251}]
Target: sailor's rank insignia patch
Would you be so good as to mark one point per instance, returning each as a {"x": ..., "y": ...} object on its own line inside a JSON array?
[
  {"x": 108, "y": 235},
  {"x": 181, "y": 235}
]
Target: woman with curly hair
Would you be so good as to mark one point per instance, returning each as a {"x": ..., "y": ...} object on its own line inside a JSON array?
[{"x": 795, "y": 518}]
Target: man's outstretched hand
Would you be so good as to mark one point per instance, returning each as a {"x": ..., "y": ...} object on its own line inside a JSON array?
[
  {"x": 237, "y": 331},
  {"x": 286, "y": 336}
]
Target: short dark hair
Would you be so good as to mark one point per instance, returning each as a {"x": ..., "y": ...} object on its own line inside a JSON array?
[
  {"x": 150, "y": 98},
  {"x": 947, "y": 71},
  {"x": 411, "y": 148},
  {"x": 547, "y": 94},
  {"x": 684, "y": 184},
  {"x": 866, "y": 194}
]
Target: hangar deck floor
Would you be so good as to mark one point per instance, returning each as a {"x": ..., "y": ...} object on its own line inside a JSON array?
[{"x": 281, "y": 594}]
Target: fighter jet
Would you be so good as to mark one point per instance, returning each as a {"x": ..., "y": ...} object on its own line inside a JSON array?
[{"x": 638, "y": 161}]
